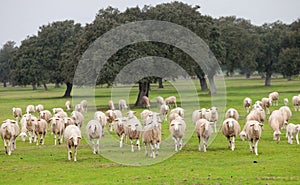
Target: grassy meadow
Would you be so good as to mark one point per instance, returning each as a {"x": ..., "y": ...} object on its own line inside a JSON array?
[{"x": 277, "y": 162}]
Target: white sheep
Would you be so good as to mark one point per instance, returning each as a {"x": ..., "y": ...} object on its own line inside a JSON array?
[
  {"x": 212, "y": 116},
  {"x": 133, "y": 129},
  {"x": 146, "y": 102},
  {"x": 253, "y": 133},
  {"x": 286, "y": 114},
  {"x": 40, "y": 130},
  {"x": 232, "y": 113},
  {"x": 257, "y": 114},
  {"x": 9, "y": 131},
  {"x": 198, "y": 114},
  {"x": 46, "y": 115},
  {"x": 122, "y": 105},
  {"x": 23, "y": 134},
  {"x": 110, "y": 117},
  {"x": 30, "y": 109},
  {"x": 119, "y": 127},
  {"x": 266, "y": 104},
  {"x": 177, "y": 129},
  {"x": 286, "y": 101},
  {"x": 56, "y": 110},
  {"x": 94, "y": 132},
  {"x": 72, "y": 137},
  {"x": 31, "y": 122},
  {"x": 101, "y": 117},
  {"x": 203, "y": 130},
  {"x": 17, "y": 113},
  {"x": 39, "y": 108},
  {"x": 145, "y": 115},
  {"x": 258, "y": 104},
  {"x": 296, "y": 102},
  {"x": 247, "y": 104},
  {"x": 173, "y": 116},
  {"x": 164, "y": 109},
  {"x": 179, "y": 111},
  {"x": 171, "y": 100},
  {"x": 152, "y": 134},
  {"x": 160, "y": 100},
  {"x": 274, "y": 96},
  {"x": 58, "y": 127},
  {"x": 68, "y": 105},
  {"x": 111, "y": 105},
  {"x": 84, "y": 105},
  {"x": 78, "y": 108},
  {"x": 68, "y": 121},
  {"x": 231, "y": 129},
  {"x": 61, "y": 114},
  {"x": 291, "y": 131},
  {"x": 78, "y": 118},
  {"x": 276, "y": 121}
]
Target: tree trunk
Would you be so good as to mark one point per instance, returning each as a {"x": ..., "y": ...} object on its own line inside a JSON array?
[
  {"x": 144, "y": 87},
  {"x": 4, "y": 84},
  {"x": 160, "y": 83},
  {"x": 203, "y": 84},
  {"x": 68, "y": 90},
  {"x": 248, "y": 75},
  {"x": 212, "y": 85},
  {"x": 268, "y": 79},
  {"x": 289, "y": 78},
  {"x": 45, "y": 87},
  {"x": 34, "y": 87}
]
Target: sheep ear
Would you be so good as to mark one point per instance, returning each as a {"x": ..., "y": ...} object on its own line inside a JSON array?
[
  {"x": 117, "y": 119},
  {"x": 71, "y": 137},
  {"x": 79, "y": 137},
  {"x": 260, "y": 124}
]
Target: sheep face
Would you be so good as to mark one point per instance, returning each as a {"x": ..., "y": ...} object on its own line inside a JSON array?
[
  {"x": 277, "y": 135},
  {"x": 131, "y": 114},
  {"x": 133, "y": 127},
  {"x": 74, "y": 141}
]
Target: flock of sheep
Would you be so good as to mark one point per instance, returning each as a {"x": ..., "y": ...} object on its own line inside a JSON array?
[{"x": 149, "y": 129}]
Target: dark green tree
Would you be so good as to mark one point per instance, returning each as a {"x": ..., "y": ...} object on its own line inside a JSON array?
[{"x": 6, "y": 55}]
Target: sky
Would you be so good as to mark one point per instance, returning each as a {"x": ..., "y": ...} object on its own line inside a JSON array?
[{"x": 22, "y": 18}]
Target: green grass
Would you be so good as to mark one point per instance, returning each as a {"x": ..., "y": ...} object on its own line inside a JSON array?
[{"x": 277, "y": 162}]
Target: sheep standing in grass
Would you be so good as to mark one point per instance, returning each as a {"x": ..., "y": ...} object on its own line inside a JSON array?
[
  {"x": 78, "y": 118},
  {"x": 57, "y": 110},
  {"x": 58, "y": 127},
  {"x": 145, "y": 114},
  {"x": 9, "y": 131},
  {"x": 39, "y": 108},
  {"x": 61, "y": 114},
  {"x": 110, "y": 117},
  {"x": 296, "y": 102},
  {"x": 152, "y": 134},
  {"x": 31, "y": 122},
  {"x": 164, "y": 109},
  {"x": 78, "y": 108},
  {"x": 203, "y": 130},
  {"x": 68, "y": 105},
  {"x": 72, "y": 137},
  {"x": 84, "y": 105},
  {"x": 119, "y": 127},
  {"x": 253, "y": 132},
  {"x": 111, "y": 105},
  {"x": 212, "y": 116},
  {"x": 122, "y": 105},
  {"x": 286, "y": 114},
  {"x": 247, "y": 104},
  {"x": 179, "y": 111},
  {"x": 133, "y": 129},
  {"x": 171, "y": 101},
  {"x": 46, "y": 115},
  {"x": 40, "y": 130},
  {"x": 30, "y": 109},
  {"x": 257, "y": 114},
  {"x": 101, "y": 117},
  {"x": 173, "y": 116},
  {"x": 276, "y": 121},
  {"x": 68, "y": 121},
  {"x": 258, "y": 104},
  {"x": 231, "y": 129},
  {"x": 274, "y": 96},
  {"x": 266, "y": 104},
  {"x": 291, "y": 131},
  {"x": 198, "y": 114},
  {"x": 160, "y": 100},
  {"x": 177, "y": 129},
  {"x": 146, "y": 102},
  {"x": 286, "y": 101},
  {"x": 17, "y": 113},
  {"x": 232, "y": 113},
  {"x": 94, "y": 132}
]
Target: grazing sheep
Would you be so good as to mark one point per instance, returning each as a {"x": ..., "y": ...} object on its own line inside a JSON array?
[
  {"x": 78, "y": 118},
  {"x": 94, "y": 132},
  {"x": 286, "y": 114},
  {"x": 17, "y": 113},
  {"x": 257, "y": 114},
  {"x": 30, "y": 109},
  {"x": 122, "y": 105},
  {"x": 68, "y": 121},
  {"x": 39, "y": 108},
  {"x": 276, "y": 121},
  {"x": 296, "y": 102},
  {"x": 203, "y": 130},
  {"x": 68, "y": 105},
  {"x": 164, "y": 109},
  {"x": 101, "y": 117},
  {"x": 258, "y": 104},
  {"x": 78, "y": 108},
  {"x": 253, "y": 133},
  {"x": 145, "y": 114},
  {"x": 247, "y": 104},
  {"x": 179, "y": 111},
  {"x": 177, "y": 129},
  {"x": 232, "y": 113},
  {"x": 58, "y": 127},
  {"x": 152, "y": 134},
  {"x": 133, "y": 129},
  {"x": 212, "y": 116},
  {"x": 291, "y": 131},
  {"x": 171, "y": 100},
  {"x": 266, "y": 104},
  {"x": 231, "y": 128},
  {"x": 146, "y": 102},
  {"x": 160, "y": 100},
  {"x": 41, "y": 130},
  {"x": 57, "y": 110},
  {"x": 286, "y": 101},
  {"x": 111, "y": 105},
  {"x": 274, "y": 96},
  {"x": 9, "y": 131},
  {"x": 72, "y": 137},
  {"x": 119, "y": 127},
  {"x": 84, "y": 105}
]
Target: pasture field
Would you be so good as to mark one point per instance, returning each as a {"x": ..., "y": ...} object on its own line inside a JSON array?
[{"x": 277, "y": 162}]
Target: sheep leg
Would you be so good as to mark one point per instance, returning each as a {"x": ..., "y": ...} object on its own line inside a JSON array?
[
  {"x": 146, "y": 151},
  {"x": 9, "y": 147},
  {"x": 97, "y": 145},
  {"x": 157, "y": 146},
  {"x": 199, "y": 146},
  {"x": 5, "y": 145},
  {"x": 69, "y": 152},
  {"x": 176, "y": 143},
  {"x": 232, "y": 143},
  {"x": 255, "y": 147},
  {"x": 132, "y": 149},
  {"x": 268, "y": 110},
  {"x": 152, "y": 151},
  {"x": 297, "y": 139},
  {"x": 75, "y": 153},
  {"x": 138, "y": 144},
  {"x": 37, "y": 143},
  {"x": 93, "y": 145},
  {"x": 121, "y": 140},
  {"x": 215, "y": 126},
  {"x": 251, "y": 147},
  {"x": 43, "y": 138},
  {"x": 180, "y": 144},
  {"x": 290, "y": 141},
  {"x": 204, "y": 144},
  {"x": 229, "y": 142},
  {"x": 54, "y": 139}
]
